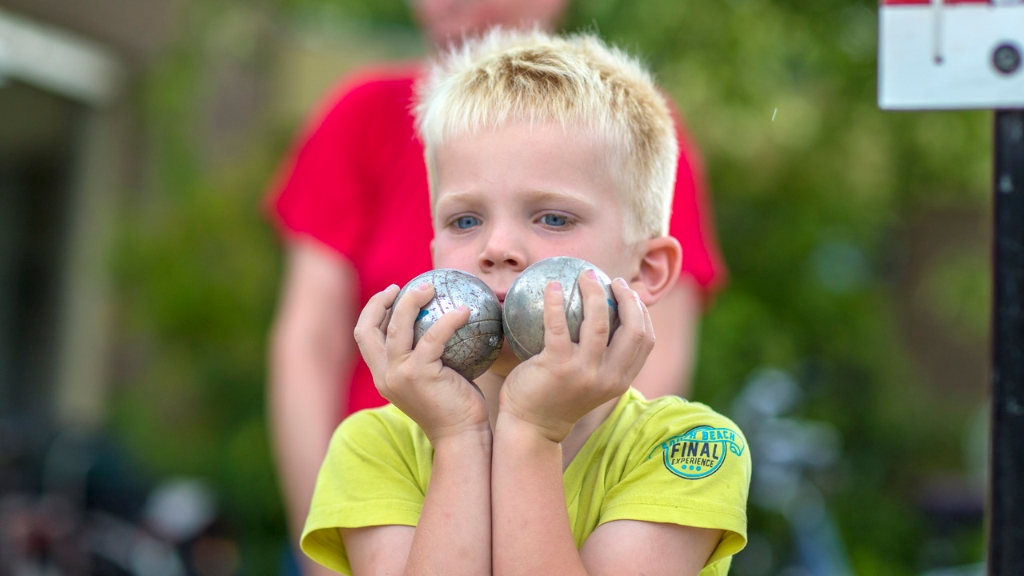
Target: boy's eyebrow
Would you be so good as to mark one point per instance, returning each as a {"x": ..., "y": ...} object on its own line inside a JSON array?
[
  {"x": 550, "y": 195},
  {"x": 538, "y": 195}
]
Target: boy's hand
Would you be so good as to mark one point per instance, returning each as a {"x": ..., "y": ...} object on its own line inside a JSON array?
[
  {"x": 557, "y": 387},
  {"x": 437, "y": 398}
]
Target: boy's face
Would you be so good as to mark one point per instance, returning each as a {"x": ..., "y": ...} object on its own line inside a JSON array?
[{"x": 508, "y": 197}]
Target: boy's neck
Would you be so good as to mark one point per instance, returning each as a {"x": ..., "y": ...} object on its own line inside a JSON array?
[{"x": 490, "y": 385}]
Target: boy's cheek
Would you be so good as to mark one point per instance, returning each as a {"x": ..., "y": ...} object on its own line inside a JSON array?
[{"x": 447, "y": 255}]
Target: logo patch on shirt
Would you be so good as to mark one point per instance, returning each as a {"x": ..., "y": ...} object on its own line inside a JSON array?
[{"x": 699, "y": 452}]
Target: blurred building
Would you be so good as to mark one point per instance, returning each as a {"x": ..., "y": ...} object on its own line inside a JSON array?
[
  {"x": 65, "y": 154},
  {"x": 73, "y": 148}
]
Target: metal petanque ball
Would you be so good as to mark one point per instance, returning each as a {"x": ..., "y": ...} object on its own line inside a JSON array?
[
  {"x": 475, "y": 346},
  {"x": 523, "y": 317}
]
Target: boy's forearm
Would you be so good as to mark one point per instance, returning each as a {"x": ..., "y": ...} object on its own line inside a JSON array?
[
  {"x": 454, "y": 532},
  {"x": 532, "y": 534}
]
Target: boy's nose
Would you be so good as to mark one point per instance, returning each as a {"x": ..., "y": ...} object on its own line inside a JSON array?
[
  {"x": 491, "y": 261},
  {"x": 499, "y": 253}
]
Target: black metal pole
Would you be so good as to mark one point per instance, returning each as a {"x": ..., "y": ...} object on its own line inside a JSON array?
[{"x": 1006, "y": 497}]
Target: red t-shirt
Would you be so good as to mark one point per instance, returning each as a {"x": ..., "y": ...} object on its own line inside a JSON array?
[{"x": 357, "y": 183}]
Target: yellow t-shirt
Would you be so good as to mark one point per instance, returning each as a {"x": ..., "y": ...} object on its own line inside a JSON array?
[{"x": 665, "y": 460}]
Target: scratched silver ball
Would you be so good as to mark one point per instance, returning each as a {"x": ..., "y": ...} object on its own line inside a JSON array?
[
  {"x": 475, "y": 346},
  {"x": 523, "y": 317}
]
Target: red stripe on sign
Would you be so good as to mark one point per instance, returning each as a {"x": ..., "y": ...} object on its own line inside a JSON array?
[{"x": 928, "y": 2}]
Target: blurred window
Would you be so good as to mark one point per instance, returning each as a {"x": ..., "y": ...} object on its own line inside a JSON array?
[{"x": 37, "y": 145}]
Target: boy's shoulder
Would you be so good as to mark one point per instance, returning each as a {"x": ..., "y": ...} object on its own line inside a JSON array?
[
  {"x": 667, "y": 461},
  {"x": 386, "y": 417},
  {"x": 669, "y": 424},
  {"x": 671, "y": 411},
  {"x": 383, "y": 429}
]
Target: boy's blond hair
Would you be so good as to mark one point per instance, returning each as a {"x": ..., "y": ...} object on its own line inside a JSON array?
[{"x": 574, "y": 81}]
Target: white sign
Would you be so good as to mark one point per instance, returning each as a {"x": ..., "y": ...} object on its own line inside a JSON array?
[{"x": 948, "y": 54}]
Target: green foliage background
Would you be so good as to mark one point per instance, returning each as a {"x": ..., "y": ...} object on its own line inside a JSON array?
[{"x": 815, "y": 190}]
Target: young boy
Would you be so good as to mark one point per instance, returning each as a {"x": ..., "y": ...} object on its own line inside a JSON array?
[{"x": 536, "y": 146}]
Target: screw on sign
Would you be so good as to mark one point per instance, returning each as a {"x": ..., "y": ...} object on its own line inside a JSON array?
[{"x": 1006, "y": 58}]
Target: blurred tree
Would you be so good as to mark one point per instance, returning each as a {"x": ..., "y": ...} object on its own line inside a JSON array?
[{"x": 198, "y": 273}]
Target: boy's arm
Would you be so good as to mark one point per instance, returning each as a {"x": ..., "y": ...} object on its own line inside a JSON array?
[
  {"x": 453, "y": 533},
  {"x": 532, "y": 533},
  {"x": 540, "y": 402},
  {"x": 634, "y": 547}
]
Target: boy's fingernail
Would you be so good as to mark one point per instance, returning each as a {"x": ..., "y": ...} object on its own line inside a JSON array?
[
  {"x": 591, "y": 273},
  {"x": 423, "y": 286},
  {"x": 554, "y": 285},
  {"x": 621, "y": 282}
]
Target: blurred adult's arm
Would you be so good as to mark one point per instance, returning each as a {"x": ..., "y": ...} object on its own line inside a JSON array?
[
  {"x": 669, "y": 368},
  {"x": 676, "y": 318},
  {"x": 311, "y": 347}
]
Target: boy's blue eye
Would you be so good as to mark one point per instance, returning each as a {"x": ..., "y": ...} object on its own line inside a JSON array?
[
  {"x": 465, "y": 222},
  {"x": 554, "y": 220}
]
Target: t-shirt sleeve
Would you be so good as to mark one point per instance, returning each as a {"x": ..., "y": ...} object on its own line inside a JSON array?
[
  {"x": 375, "y": 474},
  {"x": 691, "y": 468},
  {"x": 325, "y": 183},
  {"x": 692, "y": 221}
]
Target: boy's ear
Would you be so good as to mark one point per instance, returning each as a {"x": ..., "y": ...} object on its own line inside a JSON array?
[{"x": 660, "y": 264}]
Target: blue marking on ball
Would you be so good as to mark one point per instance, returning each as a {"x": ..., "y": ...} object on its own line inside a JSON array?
[{"x": 475, "y": 346}]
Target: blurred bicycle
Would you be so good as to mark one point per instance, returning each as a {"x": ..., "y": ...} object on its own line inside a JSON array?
[
  {"x": 787, "y": 453},
  {"x": 70, "y": 505}
]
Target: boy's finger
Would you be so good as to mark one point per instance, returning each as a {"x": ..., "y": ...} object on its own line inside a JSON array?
[
  {"x": 377, "y": 307},
  {"x": 635, "y": 336},
  {"x": 649, "y": 327},
  {"x": 403, "y": 318},
  {"x": 648, "y": 344},
  {"x": 431, "y": 346},
  {"x": 596, "y": 325},
  {"x": 368, "y": 332},
  {"x": 556, "y": 329}
]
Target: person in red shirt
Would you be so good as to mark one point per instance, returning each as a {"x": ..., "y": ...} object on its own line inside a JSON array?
[{"x": 351, "y": 202}]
